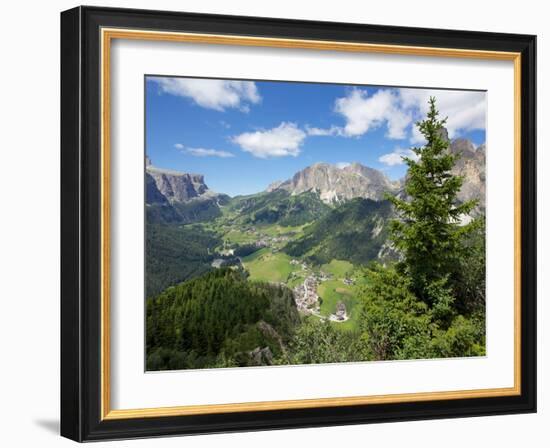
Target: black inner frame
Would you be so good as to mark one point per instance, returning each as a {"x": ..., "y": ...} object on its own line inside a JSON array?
[{"x": 80, "y": 224}]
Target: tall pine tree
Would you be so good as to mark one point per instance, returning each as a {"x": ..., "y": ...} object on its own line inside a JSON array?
[{"x": 428, "y": 232}]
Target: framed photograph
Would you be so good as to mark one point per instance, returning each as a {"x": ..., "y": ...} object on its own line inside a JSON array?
[{"x": 277, "y": 224}]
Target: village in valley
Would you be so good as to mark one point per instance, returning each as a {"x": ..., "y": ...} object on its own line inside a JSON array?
[
  {"x": 307, "y": 282},
  {"x": 307, "y": 298}
]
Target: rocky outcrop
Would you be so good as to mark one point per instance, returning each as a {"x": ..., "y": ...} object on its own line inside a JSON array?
[
  {"x": 175, "y": 186},
  {"x": 176, "y": 197},
  {"x": 471, "y": 165},
  {"x": 334, "y": 184},
  {"x": 261, "y": 357},
  {"x": 274, "y": 186},
  {"x": 152, "y": 193}
]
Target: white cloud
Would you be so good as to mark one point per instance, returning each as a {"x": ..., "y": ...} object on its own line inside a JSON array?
[
  {"x": 342, "y": 164},
  {"x": 363, "y": 113},
  {"x": 416, "y": 136},
  {"x": 398, "y": 109},
  {"x": 204, "y": 152},
  {"x": 466, "y": 111},
  {"x": 396, "y": 157},
  {"x": 214, "y": 94},
  {"x": 284, "y": 140},
  {"x": 315, "y": 132}
]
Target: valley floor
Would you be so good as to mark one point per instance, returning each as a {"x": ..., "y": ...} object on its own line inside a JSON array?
[{"x": 327, "y": 292}]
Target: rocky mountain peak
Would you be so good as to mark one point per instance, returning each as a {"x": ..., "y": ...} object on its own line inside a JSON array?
[
  {"x": 355, "y": 167},
  {"x": 444, "y": 134},
  {"x": 470, "y": 165},
  {"x": 274, "y": 186},
  {"x": 462, "y": 146},
  {"x": 336, "y": 184},
  {"x": 173, "y": 186}
]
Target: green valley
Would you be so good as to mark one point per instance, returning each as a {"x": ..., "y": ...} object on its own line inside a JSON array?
[{"x": 266, "y": 249}]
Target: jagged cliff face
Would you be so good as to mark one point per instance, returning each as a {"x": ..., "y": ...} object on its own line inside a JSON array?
[
  {"x": 334, "y": 184},
  {"x": 172, "y": 186},
  {"x": 471, "y": 165},
  {"x": 183, "y": 198},
  {"x": 152, "y": 193}
]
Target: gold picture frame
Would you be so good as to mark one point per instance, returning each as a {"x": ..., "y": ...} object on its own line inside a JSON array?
[{"x": 106, "y": 32}]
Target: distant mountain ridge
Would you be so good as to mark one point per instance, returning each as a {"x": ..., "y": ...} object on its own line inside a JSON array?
[
  {"x": 173, "y": 186},
  {"x": 177, "y": 197},
  {"x": 173, "y": 196},
  {"x": 471, "y": 165},
  {"x": 338, "y": 184}
]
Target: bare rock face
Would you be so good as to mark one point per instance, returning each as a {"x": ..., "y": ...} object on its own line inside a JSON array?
[
  {"x": 471, "y": 165},
  {"x": 334, "y": 184},
  {"x": 444, "y": 134},
  {"x": 274, "y": 186},
  {"x": 261, "y": 357},
  {"x": 152, "y": 193},
  {"x": 173, "y": 186}
]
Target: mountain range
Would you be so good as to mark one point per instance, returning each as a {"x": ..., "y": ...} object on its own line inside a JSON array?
[
  {"x": 176, "y": 197},
  {"x": 471, "y": 165},
  {"x": 339, "y": 184},
  {"x": 173, "y": 196}
]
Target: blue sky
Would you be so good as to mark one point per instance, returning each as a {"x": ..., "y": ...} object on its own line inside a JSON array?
[{"x": 243, "y": 135}]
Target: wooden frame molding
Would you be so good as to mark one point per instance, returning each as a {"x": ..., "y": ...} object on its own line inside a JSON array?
[
  {"x": 107, "y": 36},
  {"x": 87, "y": 35}
]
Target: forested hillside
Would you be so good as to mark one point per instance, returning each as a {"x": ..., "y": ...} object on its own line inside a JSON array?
[
  {"x": 354, "y": 231},
  {"x": 175, "y": 253},
  {"x": 280, "y": 207},
  {"x": 218, "y": 320}
]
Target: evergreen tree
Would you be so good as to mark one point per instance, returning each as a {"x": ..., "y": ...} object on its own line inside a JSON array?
[{"x": 428, "y": 232}]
